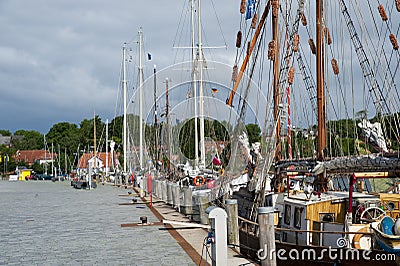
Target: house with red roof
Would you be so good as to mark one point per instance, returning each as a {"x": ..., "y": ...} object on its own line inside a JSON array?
[
  {"x": 32, "y": 156},
  {"x": 88, "y": 161}
]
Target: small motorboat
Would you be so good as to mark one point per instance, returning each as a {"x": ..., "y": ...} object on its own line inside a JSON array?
[{"x": 387, "y": 234}]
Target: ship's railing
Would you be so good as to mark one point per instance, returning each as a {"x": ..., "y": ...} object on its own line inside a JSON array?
[
  {"x": 252, "y": 227},
  {"x": 320, "y": 234}
]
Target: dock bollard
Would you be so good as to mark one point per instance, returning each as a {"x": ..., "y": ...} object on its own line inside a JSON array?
[
  {"x": 219, "y": 247},
  {"x": 153, "y": 186},
  {"x": 233, "y": 223},
  {"x": 187, "y": 206},
  {"x": 195, "y": 207},
  {"x": 169, "y": 193},
  {"x": 266, "y": 236},
  {"x": 164, "y": 191},
  {"x": 158, "y": 189},
  {"x": 144, "y": 183},
  {"x": 204, "y": 203},
  {"x": 143, "y": 219},
  {"x": 155, "y": 181},
  {"x": 176, "y": 196}
]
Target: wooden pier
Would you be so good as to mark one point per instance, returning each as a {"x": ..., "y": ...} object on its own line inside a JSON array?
[{"x": 189, "y": 235}]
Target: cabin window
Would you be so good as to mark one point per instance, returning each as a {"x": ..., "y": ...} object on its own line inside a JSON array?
[
  {"x": 327, "y": 217},
  {"x": 297, "y": 217},
  {"x": 284, "y": 236},
  {"x": 287, "y": 214},
  {"x": 391, "y": 205}
]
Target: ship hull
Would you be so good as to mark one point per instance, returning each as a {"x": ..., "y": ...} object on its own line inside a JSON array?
[{"x": 291, "y": 254}]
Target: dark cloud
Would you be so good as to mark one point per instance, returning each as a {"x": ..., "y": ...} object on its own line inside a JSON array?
[{"x": 60, "y": 60}]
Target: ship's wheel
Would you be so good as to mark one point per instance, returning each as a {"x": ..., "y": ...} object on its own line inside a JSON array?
[{"x": 371, "y": 214}]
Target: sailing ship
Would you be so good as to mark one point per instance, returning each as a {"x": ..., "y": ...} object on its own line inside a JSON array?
[
  {"x": 314, "y": 198},
  {"x": 320, "y": 174},
  {"x": 181, "y": 146},
  {"x": 387, "y": 234},
  {"x": 90, "y": 177}
]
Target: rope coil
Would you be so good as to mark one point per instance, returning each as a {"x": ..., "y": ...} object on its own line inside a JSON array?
[
  {"x": 303, "y": 19},
  {"x": 291, "y": 75},
  {"x": 312, "y": 46},
  {"x": 296, "y": 43},
  {"x": 243, "y": 6},
  {"x": 328, "y": 36},
  {"x": 394, "y": 42},
  {"x": 235, "y": 73},
  {"x": 271, "y": 50},
  {"x": 335, "y": 66},
  {"x": 239, "y": 39},
  {"x": 254, "y": 21},
  {"x": 382, "y": 12}
]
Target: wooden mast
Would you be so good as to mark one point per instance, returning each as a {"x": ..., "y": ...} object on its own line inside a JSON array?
[
  {"x": 320, "y": 83},
  {"x": 275, "y": 37},
  {"x": 253, "y": 42}
]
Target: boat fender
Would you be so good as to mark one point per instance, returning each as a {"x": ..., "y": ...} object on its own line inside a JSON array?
[
  {"x": 357, "y": 237},
  {"x": 387, "y": 225},
  {"x": 199, "y": 181},
  {"x": 284, "y": 182},
  {"x": 396, "y": 227},
  {"x": 276, "y": 183}
]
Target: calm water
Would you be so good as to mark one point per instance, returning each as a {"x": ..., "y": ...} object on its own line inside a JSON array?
[{"x": 50, "y": 223}]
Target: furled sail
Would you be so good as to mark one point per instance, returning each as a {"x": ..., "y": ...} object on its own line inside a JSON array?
[
  {"x": 374, "y": 133},
  {"x": 358, "y": 164}
]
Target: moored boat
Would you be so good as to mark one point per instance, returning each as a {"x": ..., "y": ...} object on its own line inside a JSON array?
[{"x": 386, "y": 233}]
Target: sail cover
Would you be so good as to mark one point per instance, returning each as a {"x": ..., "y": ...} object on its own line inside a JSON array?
[
  {"x": 358, "y": 164},
  {"x": 374, "y": 134}
]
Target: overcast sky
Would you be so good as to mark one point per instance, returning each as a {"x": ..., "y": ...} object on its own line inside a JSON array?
[{"x": 60, "y": 60}]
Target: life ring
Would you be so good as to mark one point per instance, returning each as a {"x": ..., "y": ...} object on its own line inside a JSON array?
[
  {"x": 199, "y": 181},
  {"x": 357, "y": 237},
  {"x": 291, "y": 184},
  {"x": 276, "y": 184},
  {"x": 284, "y": 182}
]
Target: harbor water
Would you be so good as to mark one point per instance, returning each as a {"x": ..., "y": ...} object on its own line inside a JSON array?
[{"x": 50, "y": 223}]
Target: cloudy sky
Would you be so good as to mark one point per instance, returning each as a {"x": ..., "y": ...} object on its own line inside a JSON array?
[{"x": 60, "y": 60}]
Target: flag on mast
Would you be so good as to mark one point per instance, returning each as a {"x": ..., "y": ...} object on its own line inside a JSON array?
[
  {"x": 251, "y": 9},
  {"x": 216, "y": 160}
]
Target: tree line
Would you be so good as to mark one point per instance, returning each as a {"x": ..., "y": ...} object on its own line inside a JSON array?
[
  {"x": 68, "y": 139},
  {"x": 71, "y": 140}
]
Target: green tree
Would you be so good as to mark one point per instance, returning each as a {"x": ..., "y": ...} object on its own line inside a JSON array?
[
  {"x": 254, "y": 133},
  {"x": 86, "y": 131},
  {"x": 213, "y": 129},
  {"x": 65, "y": 138},
  {"x": 64, "y": 134},
  {"x": 31, "y": 140},
  {"x": 116, "y": 127},
  {"x": 4, "y": 132},
  {"x": 37, "y": 168}
]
